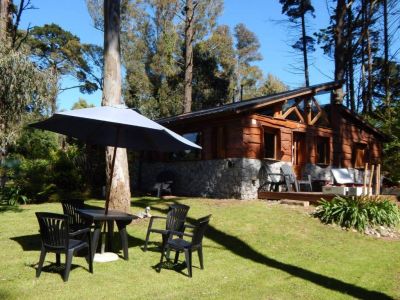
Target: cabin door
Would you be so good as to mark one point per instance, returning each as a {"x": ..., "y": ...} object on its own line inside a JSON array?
[{"x": 299, "y": 153}]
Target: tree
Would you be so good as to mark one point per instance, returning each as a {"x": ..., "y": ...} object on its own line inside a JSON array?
[
  {"x": 199, "y": 16},
  {"x": 295, "y": 10},
  {"x": 24, "y": 90},
  {"x": 247, "y": 49},
  {"x": 81, "y": 103},
  {"x": 119, "y": 191},
  {"x": 272, "y": 85},
  {"x": 5, "y": 19},
  {"x": 61, "y": 52}
]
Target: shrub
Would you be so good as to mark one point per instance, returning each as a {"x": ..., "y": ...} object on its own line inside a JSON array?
[
  {"x": 12, "y": 196},
  {"x": 358, "y": 212}
]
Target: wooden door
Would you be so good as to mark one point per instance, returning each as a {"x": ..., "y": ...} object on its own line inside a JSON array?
[{"x": 299, "y": 153}]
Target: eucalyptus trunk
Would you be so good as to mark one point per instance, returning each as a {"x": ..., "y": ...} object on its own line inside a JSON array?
[
  {"x": 189, "y": 32},
  {"x": 120, "y": 195},
  {"x": 340, "y": 49},
  {"x": 5, "y": 18},
  {"x": 305, "y": 58},
  {"x": 386, "y": 59}
]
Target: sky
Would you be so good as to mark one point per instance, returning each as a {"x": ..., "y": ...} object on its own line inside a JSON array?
[{"x": 260, "y": 16}]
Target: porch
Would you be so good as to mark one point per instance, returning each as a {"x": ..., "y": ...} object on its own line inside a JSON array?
[{"x": 312, "y": 197}]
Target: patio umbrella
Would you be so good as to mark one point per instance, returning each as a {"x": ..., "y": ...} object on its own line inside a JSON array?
[{"x": 116, "y": 126}]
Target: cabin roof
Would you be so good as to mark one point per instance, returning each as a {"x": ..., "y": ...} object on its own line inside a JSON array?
[
  {"x": 246, "y": 105},
  {"x": 263, "y": 101}
]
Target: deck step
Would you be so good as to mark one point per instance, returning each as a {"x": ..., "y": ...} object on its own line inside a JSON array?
[{"x": 295, "y": 202}]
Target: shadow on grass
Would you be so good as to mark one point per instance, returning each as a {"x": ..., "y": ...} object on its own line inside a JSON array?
[
  {"x": 52, "y": 267},
  {"x": 11, "y": 208},
  {"x": 28, "y": 242},
  {"x": 240, "y": 248}
]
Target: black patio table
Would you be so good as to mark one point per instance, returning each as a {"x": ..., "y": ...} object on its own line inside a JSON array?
[{"x": 98, "y": 217}]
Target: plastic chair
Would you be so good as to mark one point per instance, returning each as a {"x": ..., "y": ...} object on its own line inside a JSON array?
[
  {"x": 75, "y": 220},
  {"x": 56, "y": 238},
  {"x": 290, "y": 178},
  {"x": 181, "y": 245},
  {"x": 174, "y": 220}
]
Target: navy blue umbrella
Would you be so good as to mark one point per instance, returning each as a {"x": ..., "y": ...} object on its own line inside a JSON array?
[{"x": 117, "y": 126}]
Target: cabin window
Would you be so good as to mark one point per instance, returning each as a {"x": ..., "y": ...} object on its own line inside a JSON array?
[
  {"x": 322, "y": 150},
  {"x": 270, "y": 143},
  {"x": 193, "y": 154},
  {"x": 360, "y": 155},
  {"x": 219, "y": 142}
]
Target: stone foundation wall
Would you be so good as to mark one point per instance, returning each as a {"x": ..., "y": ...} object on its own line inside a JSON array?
[{"x": 238, "y": 178}]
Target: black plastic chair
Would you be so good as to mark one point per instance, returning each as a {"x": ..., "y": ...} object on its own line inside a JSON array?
[
  {"x": 181, "y": 245},
  {"x": 75, "y": 220},
  {"x": 175, "y": 220},
  {"x": 56, "y": 238}
]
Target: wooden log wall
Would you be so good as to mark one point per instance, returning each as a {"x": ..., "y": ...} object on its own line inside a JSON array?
[{"x": 242, "y": 136}]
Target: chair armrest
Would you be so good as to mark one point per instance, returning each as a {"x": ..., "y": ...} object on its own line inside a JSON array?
[
  {"x": 80, "y": 231},
  {"x": 157, "y": 217},
  {"x": 178, "y": 233},
  {"x": 188, "y": 226},
  {"x": 152, "y": 218}
]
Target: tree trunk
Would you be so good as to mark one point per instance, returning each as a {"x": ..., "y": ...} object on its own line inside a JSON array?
[
  {"x": 187, "y": 102},
  {"x": 5, "y": 18},
  {"x": 386, "y": 60},
  {"x": 120, "y": 195},
  {"x": 305, "y": 58},
  {"x": 340, "y": 49},
  {"x": 350, "y": 61}
]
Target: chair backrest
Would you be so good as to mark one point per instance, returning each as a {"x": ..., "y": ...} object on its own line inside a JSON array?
[
  {"x": 200, "y": 229},
  {"x": 176, "y": 217},
  {"x": 54, "y": 230},
  {"x": 288, "y": 172},
  {"x": 70, "y": 209},
  {"x": 342, "y": 176}
]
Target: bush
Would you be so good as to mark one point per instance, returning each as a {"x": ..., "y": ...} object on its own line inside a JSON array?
[
  {"x": 358, "y": 212},
  {"x": 12, "y": 196}
]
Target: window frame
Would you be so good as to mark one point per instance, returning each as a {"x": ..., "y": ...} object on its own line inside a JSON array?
[
  {"x": 326, "y": 141},
  {"x": 276, "y": 133}
]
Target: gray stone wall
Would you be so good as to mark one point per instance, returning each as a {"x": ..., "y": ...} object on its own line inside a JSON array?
[{"x": 238, "y": 178}]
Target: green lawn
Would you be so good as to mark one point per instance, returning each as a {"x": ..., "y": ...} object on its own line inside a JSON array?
[{"x": 252, "y": 249}]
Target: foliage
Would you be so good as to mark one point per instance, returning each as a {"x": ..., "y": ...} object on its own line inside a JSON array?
[
  {"x": 44, "y": 169},
  {"x": 11, "y": 195},
  {"x": 58, "y": 50},
  {"x": 247, "y": 52},
  {"x": 34, "y": 143},
  {"x": 297, "y": 10},
  {"x": 81, "y": 103},
  {"x": 358, "y": 212},
  {"x": 272, "y": 85},
  {"x": 24, "y": 90}
]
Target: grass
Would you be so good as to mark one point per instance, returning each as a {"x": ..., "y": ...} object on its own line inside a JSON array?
[{"x": 252, "y": 249}]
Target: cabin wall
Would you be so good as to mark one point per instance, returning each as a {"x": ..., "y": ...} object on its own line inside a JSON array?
[
  {"x": 232, "y": 159},
  {"x": 351, "y": 135}
]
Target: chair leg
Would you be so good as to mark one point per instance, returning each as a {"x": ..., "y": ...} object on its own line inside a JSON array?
[
  {"x": 176, "y": 257},
  {"x": 188, "y": 259},
  {"x": 200, "y": 252},
  {"x": 58, "y": 260},
  {"x": 161, "y": 260},
  {"x": 68, "y": 262},
  {"x": 147, "y": 239},
  {"x": 90, "y": 253},
  {"x": 41, "y": 261}
]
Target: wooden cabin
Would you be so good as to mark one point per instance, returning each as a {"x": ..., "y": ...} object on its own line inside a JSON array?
[{"x": 241, "y": 138}]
